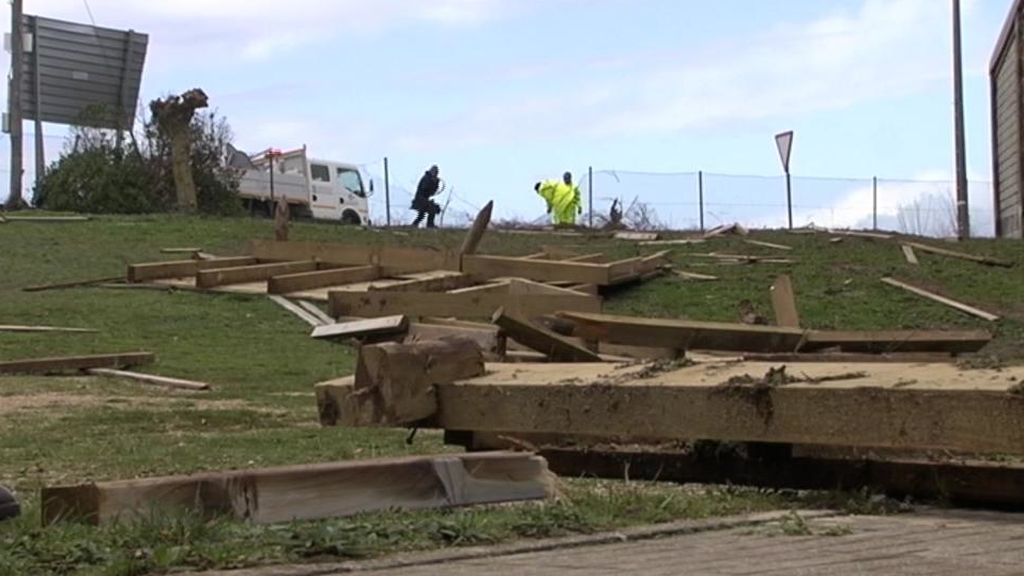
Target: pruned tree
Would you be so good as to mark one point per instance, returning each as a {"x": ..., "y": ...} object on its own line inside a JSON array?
[{"x": 173, "y": 117}]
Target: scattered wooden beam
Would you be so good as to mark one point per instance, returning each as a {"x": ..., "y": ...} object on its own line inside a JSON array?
[
  {"x": 393, "y": 260},
  {"x": 896, "y": 341},
  {"x": 727, "y": 229},
  {"x": 310, "y": 492},
  {"x": 394, "y": 383},
  {"x": 677, "y": 242},
  {"x": 315, "y": 311},
  {"x": 297, "y": 310},
  {"x": 493, "y": 287},
  {"x": 536, "y": 256},
  {"x": 860, "y": 234},
  {"x": 555, "y": 347},
  {"x": 488, "y": 267},
  {"x": 375, "y": 304},
  {"x": 847, "y": 357},
  {"x": 150, "y": 379},
  {"x": 58, "y": 329},
  {"x": 768, "y": 245},
  {"x": 942, "y": 300},
  {"x": 854, "y": 405},
  {"x": 181, "y": 268},
  {"x": 908, "y": 253},
  {"x": 245, "y": 274},
  {"x": 298, "y": 282},
  {"x": 836, "y": 240},
  {"x": 72, "y": 284},
  {"x": 961, "y": 255},
  {"x": 784, "y": 303},
  {"x": 363, "y": 328},
  {"x": 486, "y": 337},
  {"x": 47, "y": 219},
  {"x": 596, "y": 258},
  {"x": 180, "y": 250},
  {"x": 636, "y": 236},
  {"x": 696, "y": 276},
  {"x": 441, "y": 281},
  {"x": 523, "y": 287},
  {"x": 75, "y": 363},
  {"x": 476, "y": 232}
]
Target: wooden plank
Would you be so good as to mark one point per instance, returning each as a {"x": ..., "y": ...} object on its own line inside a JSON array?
[
  {"x": 912, "y": 406},
  {"x": 393, "y": 260},
  {"x": 488, "y": 267},
  {"x": 555, "y": 347},
  {"x": 296, "y": 310},
  {"x": 846, "y": 357},
  {"x": 212, "y": 278},
  {"x": 696, "y": 276},
  {"x": 636, "y": 236},
  {"x": 961, "y": 255},
  {"x": 684, "y": 334},
  {"x": 677, "y": 242},
  {"x": 591, "y": 289},
  {"x": 310, "y": 492},
  {"x": 72, "y": 284},
  {"x": 375, "y": 304},
  {"x": 60, "y": 364},
  {"x": 315, "y": 311},
  {"x": 398, "y": 380},
  {"x": 490, "y": 341},
  {"x": 441, "y": 281},
  {"x": 176, "y": 383},
  {"x": 535, "y": 256},
  {"x": 476, "y": 231},
  {"x": 942, "y": 300},
  {"x": 596, "y": 258},
  {"x": 298, "y": 282},
  {"x": 908, "y": 253},
  {"x": 493, "y": 287},
  {"x": 55, "y": 329},
  {"x": 361, "y": 328},
  {"x": 47, "y": 219},
  {"x": 784, "y": 303},
  {"x": 180, "y": 250},
  {"x": 768, "y": 245},
  {"x": 893, "y": 341},
  {"x": 860, "y": 234},
  {"x": 181, "y": 268},
  {"x": 522, "y": 287}
]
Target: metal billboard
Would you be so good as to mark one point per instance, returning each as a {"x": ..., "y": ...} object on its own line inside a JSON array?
[{"x": 80, "y": 74}]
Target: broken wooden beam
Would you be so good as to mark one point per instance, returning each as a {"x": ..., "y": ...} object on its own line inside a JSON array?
[
  {"x": 310, "y": 492},
  {"x": 487, "y": 338},
  {"x": 53, "y": 329},
  {"x": 385, "y": 326},
  {"x": 393, "y": 260},
  {"x": 908, "y": 253},
  {"x": 56, "y": 365},
  {"x": 298, "y": 311},
  {"x": 476, "y": 231},
  {"x": 696, "y": 276},
  {"x": 909, "y": 406},
  {"x": 555, "y": 347},
  {"x": 784, "y": 303},
  {"x": 151, "y": 379},
  {"x": 440, "y": 281},
  {"x": 311, "y": 280},
  {"x": 212, "y": 278},
  {"x": 181, "y": 268},
  {"x": 375, "y": 304},
  {"x": 961, "y": 255},
  {"x": 315, "y": 311},
  {"x": 942, "y": 300},
  {"x": 764, "y": 244},
  {"x": 488, "y": 267},
  {"x": 72, "y": 284}
]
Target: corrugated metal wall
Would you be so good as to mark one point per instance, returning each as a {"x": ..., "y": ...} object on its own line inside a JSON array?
[{"x": 1007, "y": 135}]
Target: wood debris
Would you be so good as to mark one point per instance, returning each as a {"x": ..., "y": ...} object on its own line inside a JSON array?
[
  {"x": 151, "y": 379},
  {"x": 297, "y": 310},
  {"x": 768, "y": 245},
  {"x": 961, "y": 255},
  {"x": 942, "y": 300},
  {"x": 56, "y": 329}
]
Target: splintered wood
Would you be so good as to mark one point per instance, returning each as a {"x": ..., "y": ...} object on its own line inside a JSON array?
[{"x": 310, "y": 492}]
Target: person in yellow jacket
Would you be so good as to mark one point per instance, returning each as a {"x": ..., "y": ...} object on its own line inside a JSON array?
[{"x": 562, "y": 198}]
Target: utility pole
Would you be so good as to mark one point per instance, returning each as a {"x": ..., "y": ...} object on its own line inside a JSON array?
[
  {"x": 963, "y": 217},
  {"x": 14, "y": 116}
]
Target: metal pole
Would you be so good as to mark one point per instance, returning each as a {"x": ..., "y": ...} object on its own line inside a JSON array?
[
  {"x": 963, "y": 213},
  {"x": 14, "y": 200},
  {"x": 590, "y": 193},
  {"x": 789, "y": 199},
  {"x": 272, "y": 179},
  {"x": 387, "y": 192},
  {"x": 700, "y": 197},
  {"x": 38, "y": 98},
  {"x": 874, "y": 202}
]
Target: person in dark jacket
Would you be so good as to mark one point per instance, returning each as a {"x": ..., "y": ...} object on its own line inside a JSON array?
[{"x": 423, "y": 203}]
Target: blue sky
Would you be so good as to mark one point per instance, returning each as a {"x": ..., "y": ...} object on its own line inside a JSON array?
[{"x": 501, "y": 93}]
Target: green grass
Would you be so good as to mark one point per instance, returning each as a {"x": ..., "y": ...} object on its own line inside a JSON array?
[{"x": 262, "y": 365}]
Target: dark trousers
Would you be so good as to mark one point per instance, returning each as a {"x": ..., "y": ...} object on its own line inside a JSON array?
[{"x": 426, "y": 209}]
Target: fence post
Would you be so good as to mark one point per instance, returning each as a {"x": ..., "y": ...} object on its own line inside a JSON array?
[
  {"x": 874, "y": 202},
  {"x": 700, "y": 197},
  {"x": 590, "y": 193},
  {"x": 387, "y": 192}
]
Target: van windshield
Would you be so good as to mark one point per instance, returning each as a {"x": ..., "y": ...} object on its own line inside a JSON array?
[{"x": 352, "y": 181}]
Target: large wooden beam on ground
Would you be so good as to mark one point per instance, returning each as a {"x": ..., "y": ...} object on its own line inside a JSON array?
[
  {"x": 784, "y": 303},
  {"x": 212, "y": 278},
  {"x": 310, "y": 492},
  {"x": 961, "y": 255},
  {"x": 180, "y": 268},
  {"x": 555, "y": 347},
  {"x": 298, "y": 311},
  {"x": 151, "y": 379},
  {"x": 911, "y": 406},
  {"x": 60, "y": 364},
  {"x": 297, "y": 282},
  {"x": 690, "y": 335},
  {"x": 375, "y": 304},
  {"x": 442, "y": 281},
  {"x": 967, "y": 309},
  {"x": 488, "y": 267},
  {"x": 50, "y": 329},
  {"x": 768, "y": 245},
  {"x": 476, "y": 231},
  {"x": 72, "y": 284},
  {"x": 487, "y": 338},
  {"x": 393, "y": 260},
  {"x": 387, "y": 325}
]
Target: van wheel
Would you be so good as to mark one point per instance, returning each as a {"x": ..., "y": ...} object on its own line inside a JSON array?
[{"x": 350, "y": 218}]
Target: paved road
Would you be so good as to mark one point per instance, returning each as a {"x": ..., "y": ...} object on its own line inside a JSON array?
[{"x": 929, "y": 543}]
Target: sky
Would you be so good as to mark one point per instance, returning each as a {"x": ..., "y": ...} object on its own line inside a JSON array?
[{"x": 503, "y": 93}]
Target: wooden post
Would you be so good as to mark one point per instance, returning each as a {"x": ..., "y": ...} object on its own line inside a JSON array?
[
  {"x": 476, "y": 232},
  {"x": 784, "y": 303},
  {"x": 14, "y": 113}
]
